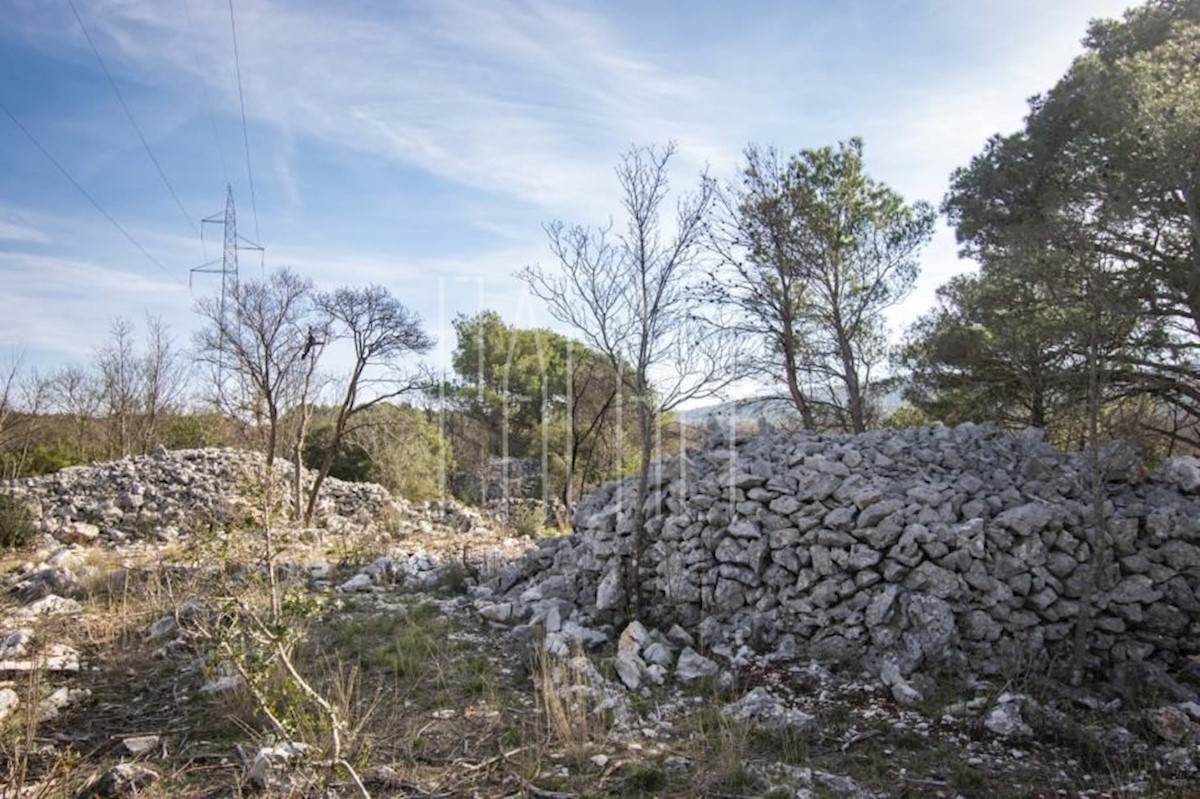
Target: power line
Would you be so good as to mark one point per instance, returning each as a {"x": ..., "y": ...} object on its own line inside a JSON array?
[
  {"x": 237, "y": 64},
  {"x": 132, "y": 121},
  {"x": 88, "y": 196},
  {"x": 208, "y": 102}
]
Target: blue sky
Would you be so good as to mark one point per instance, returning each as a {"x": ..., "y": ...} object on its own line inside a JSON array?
[{"x": 422, "y": 145}]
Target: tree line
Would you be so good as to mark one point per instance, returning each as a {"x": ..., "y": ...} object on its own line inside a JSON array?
[
  {"x": 1083, "y": 317},
  {"x": 1086, "y": 224}
]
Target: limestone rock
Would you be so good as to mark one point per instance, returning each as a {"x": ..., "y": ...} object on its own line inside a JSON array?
[
  {"x": 78, "y": 533},
  {"x": 693, "y": 667},
  {"x": 1173, "y": 725},
  {"x": 1181, "y": 472},
  {"x": 50, "y": 605},
  {"x": 960, "y": 545},
  {"x": 1004, "y": 720},
  {"x": 498, "y": 612},
  {"x": 122, "y": 781},
  {"x": 610, "y": 593},
  {"x": 359, "y": 583},
  {"x": 901, "y": 689},
  {"x": 630, "y": 668},
  {"x": 141, "y": 744},
  {"x": 15, "y": 644},
  {"x": 9, "y": 702},
  {"x": 1027, "y": 519},
  {"x": 761, "y": 708},
  {"x": 268, "y": 768}
]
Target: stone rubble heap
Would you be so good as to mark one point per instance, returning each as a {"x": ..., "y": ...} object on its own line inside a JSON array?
[
  {"x": 964, "y": 545},
  {"x": 180, "y": 490}
]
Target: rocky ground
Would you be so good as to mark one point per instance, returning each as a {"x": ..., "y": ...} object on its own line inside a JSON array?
[{"x": 149, "y": 655}]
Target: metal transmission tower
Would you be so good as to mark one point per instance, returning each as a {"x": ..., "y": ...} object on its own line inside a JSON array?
[{"x": 226, "y": 266}]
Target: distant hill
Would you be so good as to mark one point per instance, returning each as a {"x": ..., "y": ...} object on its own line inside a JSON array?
[{"x": 776, "y": 411}]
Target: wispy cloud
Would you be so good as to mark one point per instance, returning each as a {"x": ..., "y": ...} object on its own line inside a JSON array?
[
  {"x": 15, "y": 228},
  {"x": 63, "y": 305},
  {"x": 520, "y": 99}
]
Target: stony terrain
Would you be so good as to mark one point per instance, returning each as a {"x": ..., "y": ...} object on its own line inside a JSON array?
[
  {"x": 464, "y": 661},
  {"x": 190, "y": 489}
]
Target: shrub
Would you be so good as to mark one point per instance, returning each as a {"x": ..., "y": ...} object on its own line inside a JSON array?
[
  {"x": 350, "y": 462},
  {"x": 17, "y": 525},
  {"x": 906, "y": 416},
  {"x": 527, "y": 519},
  {"x": 394, "y": 445}
]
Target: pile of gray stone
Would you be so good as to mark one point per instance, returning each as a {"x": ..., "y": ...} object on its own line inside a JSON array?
[
  {"x": 180, "y": 490},
  {"x": 969, "y": 545}
]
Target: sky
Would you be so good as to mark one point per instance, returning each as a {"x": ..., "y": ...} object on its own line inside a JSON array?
[{"x": 424, "y": 144}]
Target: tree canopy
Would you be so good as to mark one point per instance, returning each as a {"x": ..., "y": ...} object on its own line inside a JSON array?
[
  {"x": 1092, "y": 208},
  {"x": 814, "y": 251}
]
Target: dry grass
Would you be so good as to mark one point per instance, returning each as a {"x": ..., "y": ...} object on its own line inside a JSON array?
[
  {"x": 429, "y": 701},
  {"x": 571, "y": 701}
]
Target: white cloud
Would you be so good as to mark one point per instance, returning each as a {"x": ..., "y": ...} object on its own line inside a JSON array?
[
  {"x": 520, "y": 99},
  {"x": 14, "y": 228},
  {"x": 64, "y": 305}
]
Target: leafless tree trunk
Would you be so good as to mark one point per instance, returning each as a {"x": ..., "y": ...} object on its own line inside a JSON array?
[
  {"x": 76, "y": 392},
  {"x": 9, "y": 390},
  {"x": 634, "y": 297},
  {"x": 121, "y": 380},
  {"x": 23, "y": 399},
  {"x": 32, "y": 398},
  {"x": 760, "y": 276},
  {"x": 164, "y": 379},
  {"x": 304, "y": 413},
  {"x": 253, "y": 343},
  {"x": 382, "y": 332}
]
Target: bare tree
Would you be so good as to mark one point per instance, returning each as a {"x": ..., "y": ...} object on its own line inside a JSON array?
[
  {"x": 9, "y": 388},
  {"x": 121, "y": 381},
  {"x": 633, "y": 297},
  {"x": 75, "y": 391},
  {"x": 24, "y": 401},
  {"x": 382, "y": 333},
  {"x": 23, "y": 398},
  {"x": 34, "y": 398},
  {"x": 164, "y": 379},
  {"x": 306, "y": 387},
  {"x": 253, "y": 342}
]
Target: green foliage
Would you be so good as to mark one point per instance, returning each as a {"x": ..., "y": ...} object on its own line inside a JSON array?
[
  {"x": 640, "y": 780},
  {"x": 350, "y": 462},
  {"x": 404, "y": 643},
  {"x": 827, "y": 251},
  {"x": 41, "y": 459},
  {"x": 17, "y": 525},
  {"x": 1000, "y": 345},
  {"x": 906, "y": 416},
  {"x": 527, "y": 519},
  {"x": 196, "y": 430},
  {"x": 397, "y": 446},
  {"x": 407, "y": 452},
  {"x": 519, "y": 391},
  {"x": 1092, "y": 206}
]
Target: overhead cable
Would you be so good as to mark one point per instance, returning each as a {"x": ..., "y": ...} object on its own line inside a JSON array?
[{"x": 88, "y": 195}]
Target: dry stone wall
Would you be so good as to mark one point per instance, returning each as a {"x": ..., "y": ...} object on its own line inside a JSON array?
[{"x": 968, "y": 545}]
